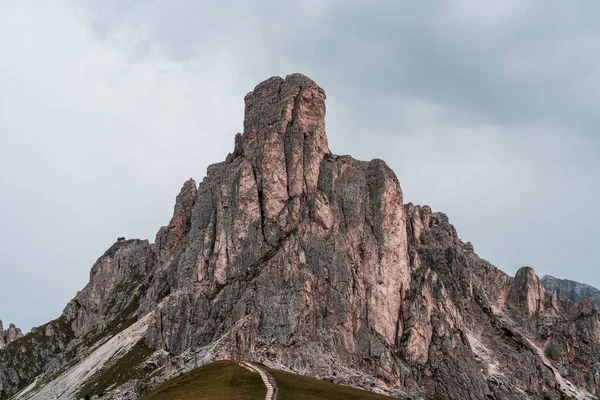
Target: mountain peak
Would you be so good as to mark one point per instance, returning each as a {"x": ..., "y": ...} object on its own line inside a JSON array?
[
  {"x": 284, "y": 138},
  {"x": 276, "y": 101}
]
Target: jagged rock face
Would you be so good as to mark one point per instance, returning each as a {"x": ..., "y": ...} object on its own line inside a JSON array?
[
  {"x": 171, "y": 237},
  {"x": 487, "y": 334},
  {"x": 117, "y": 280},
  {"x": 308, "y": 249},
  {"x": 284, "y": 139},
  {"x": 9, "y": 335},
  {"x": 13, "y": 333},
  {"x": 289, "y": 255},
  {"x": 527, "y": 292},
  {"x": 571, "y": 290}
]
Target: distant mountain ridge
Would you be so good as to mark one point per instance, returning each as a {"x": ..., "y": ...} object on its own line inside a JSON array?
[{"x": 572, "y": 290}]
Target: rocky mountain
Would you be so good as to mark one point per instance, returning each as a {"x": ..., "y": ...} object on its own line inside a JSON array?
[
  {"x": 571, "y": 290},
  {"x": 310, "y": 262},
  {"x": 9, "y": 335}
]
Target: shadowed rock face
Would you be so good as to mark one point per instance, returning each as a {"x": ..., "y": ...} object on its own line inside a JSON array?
[
  {"x": 289, "y": 255},
  {"x": 571, "y": 290}
]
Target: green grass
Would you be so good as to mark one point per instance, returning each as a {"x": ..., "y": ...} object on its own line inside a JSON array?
[
  {"x": 222, "y": 380},
  {"x": 299, "y": 387},
  {"x": 226, "y": 380}
]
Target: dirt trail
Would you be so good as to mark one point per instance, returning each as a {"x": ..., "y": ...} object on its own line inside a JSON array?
[{"x": 266, "y": 378}]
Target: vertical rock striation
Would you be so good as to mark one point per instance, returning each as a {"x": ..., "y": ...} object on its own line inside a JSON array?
[{"x": 305, "y": 248}]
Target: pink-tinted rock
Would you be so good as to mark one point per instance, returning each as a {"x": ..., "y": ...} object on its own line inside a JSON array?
[
  {"x": 9, "y": 335},
  {"x": 289, "y": 255},
  {"x": 527, "y": 291}
]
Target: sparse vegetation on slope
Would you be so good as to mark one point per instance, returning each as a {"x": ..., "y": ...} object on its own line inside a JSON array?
[
  {"x": 27, "y": 357},
  {"x": 113, "y": 375}
]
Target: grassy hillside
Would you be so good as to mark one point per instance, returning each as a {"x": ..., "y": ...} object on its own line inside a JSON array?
[
  {"x": 298, "y": 387},
  {"x": 222, "y": 380},
  {"x": 226, "y": 380}
]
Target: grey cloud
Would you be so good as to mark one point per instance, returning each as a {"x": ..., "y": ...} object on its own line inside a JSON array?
[
  {"x": 516, "y": 74},
  {"x": 486, "y": 113},
  {"x": 504, "y": 71}
]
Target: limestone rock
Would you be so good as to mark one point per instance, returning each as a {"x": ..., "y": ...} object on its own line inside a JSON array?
[
  {"x": 289, "y": 255},
  {"x": 117, "y": 281},
  {"x": 9, "y": 335},
  {"x": 574, "y": 291},
  {"x": 171, "y": 236},
  {"x": 527, "y": 292},
  {"x": 13, "y": 333}
]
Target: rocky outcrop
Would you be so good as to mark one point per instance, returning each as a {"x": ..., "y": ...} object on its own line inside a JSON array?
[
  {"x": 526, "y": 292},
  {"x": 171, "y": 237},
  {"x": 495, "y": 335},
  {"x": 289, "y": 255},
  {"x": 9, "y": 335},
  {"x": 571, "y": 290},
  {"x": 117, "y": 281}
]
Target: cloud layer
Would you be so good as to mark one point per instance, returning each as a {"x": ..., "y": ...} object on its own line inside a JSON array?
[{"x": 487, "y": 113}]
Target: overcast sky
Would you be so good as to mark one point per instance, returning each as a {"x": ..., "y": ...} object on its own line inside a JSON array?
[{"x": 486, "y": 110}]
